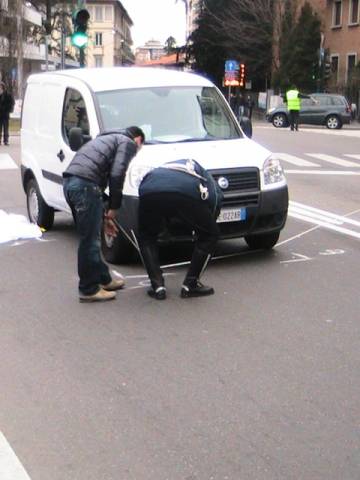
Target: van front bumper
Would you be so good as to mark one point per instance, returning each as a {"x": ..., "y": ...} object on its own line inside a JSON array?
[{"x": 268, "y": 216}]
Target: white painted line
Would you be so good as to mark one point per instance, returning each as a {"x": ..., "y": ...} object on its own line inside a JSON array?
[
  {"x": 353, "y": 155},
  {"x": 316, "y": 216},
  {"x": 322, "y": 172},
  {"x": 334, "y": 160},
  {"x": 6, "y": 162},
  {"x": 10, "y": 466},
  {"x": 300, "y": 162},
  {"x": 327, "y": 225},
  {"x": 316, "y": 211}
]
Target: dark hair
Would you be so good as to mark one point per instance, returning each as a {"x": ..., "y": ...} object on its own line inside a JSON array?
[{"x": 134, "y": 132}]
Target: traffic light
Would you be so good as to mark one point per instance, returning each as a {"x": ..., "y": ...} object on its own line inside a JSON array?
[
  {"x": 80, "y": 20},
  {"x": 327, "y": 69},
  {"x": 242, "y": 75}
]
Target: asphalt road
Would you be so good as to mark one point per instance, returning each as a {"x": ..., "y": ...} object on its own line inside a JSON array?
[{"x": 259, "y": 381}]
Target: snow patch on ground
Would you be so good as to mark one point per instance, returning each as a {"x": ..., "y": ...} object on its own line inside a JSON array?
[{"x": 15, "y": 227}]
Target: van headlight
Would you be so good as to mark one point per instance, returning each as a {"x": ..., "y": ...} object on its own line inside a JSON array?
[
  {"x": 273, "y": 172},
  {"x": 137, "y": 173}
]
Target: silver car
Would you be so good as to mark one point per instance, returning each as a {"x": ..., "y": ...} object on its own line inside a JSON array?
[{"x": 330, "y": 110}]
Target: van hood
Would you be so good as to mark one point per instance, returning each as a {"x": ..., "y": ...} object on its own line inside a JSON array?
[{"x": 211, "y": 155}]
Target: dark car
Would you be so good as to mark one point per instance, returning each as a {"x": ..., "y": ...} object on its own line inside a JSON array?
[{"x": 330, "y": 110}]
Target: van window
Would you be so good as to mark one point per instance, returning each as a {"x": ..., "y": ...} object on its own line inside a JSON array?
[
  {"x": 170, "y": 114},
  {"x": 74, "y": 113}
]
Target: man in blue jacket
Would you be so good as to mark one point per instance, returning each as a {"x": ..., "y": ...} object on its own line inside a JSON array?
[
  {"x": 180, "y": 189},
  {"x": 98, "y": 164}
]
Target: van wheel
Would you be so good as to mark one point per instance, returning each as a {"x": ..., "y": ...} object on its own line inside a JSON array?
[
  {"x": 39, "y": 212},
  {"x": 265, "y": 241},
  {"x": 333, "y": 122},
  {"x": 279, "y": 120},
  {"x": 118, "y": 250}
]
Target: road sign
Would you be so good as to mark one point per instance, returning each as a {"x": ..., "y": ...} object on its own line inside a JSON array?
[{"x": 231, "y": 66}]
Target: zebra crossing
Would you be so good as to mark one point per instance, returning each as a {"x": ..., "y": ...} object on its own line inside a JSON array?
[
  {"x": 316, "y": 161},
  {"x": 6, "y": 162}
]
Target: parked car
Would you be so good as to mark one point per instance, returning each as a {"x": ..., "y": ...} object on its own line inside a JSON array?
[
  {"x": 183, "y": 115},
  {"x": 330, "y": 110}
]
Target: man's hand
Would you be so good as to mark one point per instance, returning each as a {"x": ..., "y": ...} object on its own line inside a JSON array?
[{"x": 110, "y": 227}]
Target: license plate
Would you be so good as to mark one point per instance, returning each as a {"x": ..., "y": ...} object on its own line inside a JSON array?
[{"x": 232, "y": 215}]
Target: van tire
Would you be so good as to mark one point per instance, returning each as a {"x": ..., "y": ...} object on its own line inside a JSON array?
[
  {"x": 38, "y": 210},
  {"x": 265, "y": 241},
  {"x": 118, "y": 250}
]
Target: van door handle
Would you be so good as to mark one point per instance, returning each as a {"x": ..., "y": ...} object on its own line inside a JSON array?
[{"x": 61, "y": 156}]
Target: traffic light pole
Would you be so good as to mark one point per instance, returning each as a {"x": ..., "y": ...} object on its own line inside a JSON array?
[{"x": 82, "y": 57}]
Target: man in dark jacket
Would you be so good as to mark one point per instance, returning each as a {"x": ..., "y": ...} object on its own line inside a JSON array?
[
  {"x": 98, "y": 164},
  {"x": 184, "y": 190},
  {"x": 6, "y": 107}
]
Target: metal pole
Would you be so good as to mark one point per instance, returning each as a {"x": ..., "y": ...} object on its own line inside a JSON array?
[
  {"x": 63, "y": 40},
  {"x": 82, "y": 57},
  {"x": 20, "y": 46}
]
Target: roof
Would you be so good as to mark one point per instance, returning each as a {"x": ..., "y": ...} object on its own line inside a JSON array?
[
  {"x": 172, "y": 59},
  {"x": 103, "y": 79}
]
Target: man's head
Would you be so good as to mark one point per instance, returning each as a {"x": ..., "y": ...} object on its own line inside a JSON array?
[{"x": 136, "y": 134}]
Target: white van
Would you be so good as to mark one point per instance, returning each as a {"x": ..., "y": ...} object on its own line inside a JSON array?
[{"x": 183, "y": 115}]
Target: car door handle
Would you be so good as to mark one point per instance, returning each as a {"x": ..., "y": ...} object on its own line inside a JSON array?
[{"x": 61, "y": 156}]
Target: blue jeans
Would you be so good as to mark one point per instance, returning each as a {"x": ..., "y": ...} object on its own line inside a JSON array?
[{"x": 86, "y": 203}]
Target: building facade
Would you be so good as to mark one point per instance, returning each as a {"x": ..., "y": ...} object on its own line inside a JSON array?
[
  {"x": 152, "y": 50},
  {"x": 109, "y": 34},
  {"x": 342, "y": 40}
]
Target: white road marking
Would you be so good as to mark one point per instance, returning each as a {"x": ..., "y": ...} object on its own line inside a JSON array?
[
  {"x": 353, "y": 155},
  {"x": 322, "y": 172},
  {"x": 10, "y": 466},
  {"x": 300, "y": 162},
  {"x": 298, "y": 258},
  {"x": 7, "y": 163},
  {"x": 334, "y": 160},
  {"x": 324, "y": 219}
]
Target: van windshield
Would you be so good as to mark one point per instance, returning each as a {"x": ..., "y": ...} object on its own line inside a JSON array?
[{"x": 170, "y": 114}]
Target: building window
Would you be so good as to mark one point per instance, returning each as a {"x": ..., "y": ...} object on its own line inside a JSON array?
[
  {"x": 337, "y": 13},
  {"x": 108, "y": 14},
  {"x": 354, "y": 12},
  {"x": 98, "y": 14},
  {"x": 98, "y": 60},
  {"x": 98, "y": 39},
  {"x": 351, "y": 62}
]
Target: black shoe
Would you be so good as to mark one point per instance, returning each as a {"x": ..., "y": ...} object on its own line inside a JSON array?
[
  {"x": 159, "y": 293},
  {"x": 196, "y": 290}
]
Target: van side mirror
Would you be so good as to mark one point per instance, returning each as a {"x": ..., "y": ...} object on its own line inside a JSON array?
[
  {"x": 246, "y": 126},
  {"x": 77, "y": 138}
]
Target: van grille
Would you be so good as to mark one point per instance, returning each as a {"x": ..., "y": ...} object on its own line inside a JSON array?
[{"x": 244, "y": 186}]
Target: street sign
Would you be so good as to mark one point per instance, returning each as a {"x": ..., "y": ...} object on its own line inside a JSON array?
[{"x": 231, "y": 66}]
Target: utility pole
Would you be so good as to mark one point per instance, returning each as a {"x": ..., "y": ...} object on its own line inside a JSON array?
[
  {"x": 19, "y": 46},
  {"x": 47, "y": 33}
]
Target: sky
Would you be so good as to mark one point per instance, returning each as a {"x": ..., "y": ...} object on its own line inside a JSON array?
[{"x": 156, "y": 19}]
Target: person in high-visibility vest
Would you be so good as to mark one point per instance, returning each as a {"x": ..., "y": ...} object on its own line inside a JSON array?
[{"x": 293, "y": 100}]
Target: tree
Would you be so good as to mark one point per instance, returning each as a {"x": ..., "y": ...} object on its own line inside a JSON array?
[
  {"x": 299, "y": 50},
  {"x": 170, "y": 45},
  {"x": 238, "y": 29}
]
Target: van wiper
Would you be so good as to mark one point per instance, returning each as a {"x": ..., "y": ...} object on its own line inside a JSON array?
[{"x": 197, "y": 139}]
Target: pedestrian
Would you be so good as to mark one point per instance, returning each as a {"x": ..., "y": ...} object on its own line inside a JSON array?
[
  {"x": 249, "y": 106},
  {"x": 182, "y": 190},
  {"x": 98, "y": 164},
  {"x": 7, "y": 103},
  {"x": 293, "y": 99}
]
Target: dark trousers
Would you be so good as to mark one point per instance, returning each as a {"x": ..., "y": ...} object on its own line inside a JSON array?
[
  {"x": 155, "y": 208},
  {"x": 294, "y": 119},
  {"x": 4, "y": 127},
  {"x": 86, "y": 203}
]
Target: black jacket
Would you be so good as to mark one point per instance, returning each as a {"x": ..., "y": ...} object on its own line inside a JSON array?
[
  {"x": 7, "y": 103},
  {"x": 104, "y": 161},
  {"x": 184, "y": 178}
]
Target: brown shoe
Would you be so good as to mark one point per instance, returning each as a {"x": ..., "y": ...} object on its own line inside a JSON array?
[
  {"x": 114, "y": 285},
  {"x": 100, "y": 296}
]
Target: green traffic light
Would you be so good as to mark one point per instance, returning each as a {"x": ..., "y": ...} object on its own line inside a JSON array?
[{"x": 79, "y": 39}]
